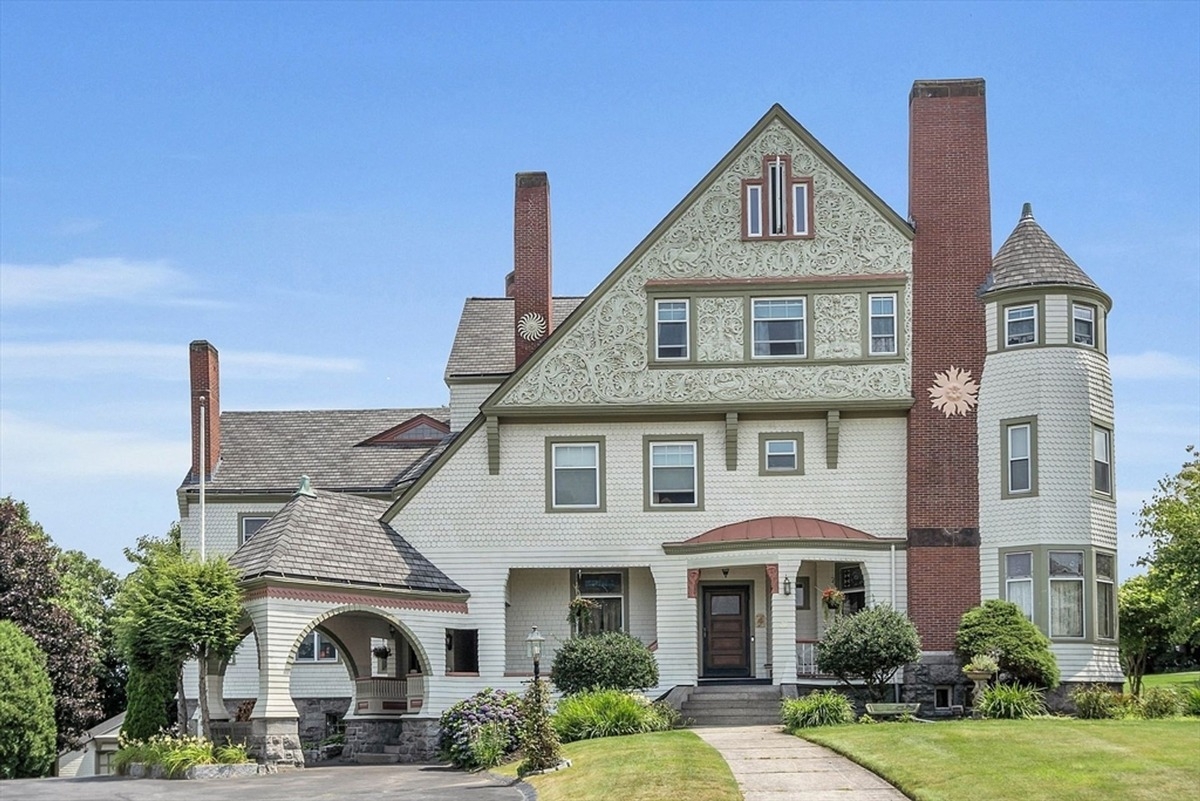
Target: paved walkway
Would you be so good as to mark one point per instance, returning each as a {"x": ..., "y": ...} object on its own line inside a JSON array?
[{"x": 772, "y": 766}]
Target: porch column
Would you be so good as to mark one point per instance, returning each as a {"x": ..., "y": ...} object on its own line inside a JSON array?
[
  {"x": 783, "y": 626},
  {"x": 274, "y": 730},
  {"x": 215, "y": 689},
  {"x": 676, "y": 625}
]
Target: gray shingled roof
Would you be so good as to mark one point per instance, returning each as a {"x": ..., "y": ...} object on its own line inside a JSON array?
[
  {"x": 339, "y": 538},
  {"x": 1029, "y": 257},
  {"x": 267, "y": 452},
  {"x": 483, "y": 343}
]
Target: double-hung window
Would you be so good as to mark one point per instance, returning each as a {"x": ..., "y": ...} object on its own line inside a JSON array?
[
  {"x": 671, "y": 329},
  {"x": 778, "y": 327},
  {"x": 883, "y": 325},
  {"x": 1020, "y": 326},
  {"x": 250, "y": 524},
  {"x": 606, "y": 591},
  {"x": 1018, "y": 581},
  {"x": 1083, "y": 325},
  {"x": 1066, "y": 593},
  {"x": 317, "y": 648},
  {"x": 674, "y": 477},
  {"x": 1106, "y": 597},
  {"x": 575, "y": 475},
  {"x": 1102, "y": 460},
  {"x": 1019, "y": 470},
  {"x": 780, "y": 454}
]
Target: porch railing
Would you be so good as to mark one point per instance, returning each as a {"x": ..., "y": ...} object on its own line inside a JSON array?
[
  {"x": 383, "y": 696},
  {"x": 806, "y": 659}
]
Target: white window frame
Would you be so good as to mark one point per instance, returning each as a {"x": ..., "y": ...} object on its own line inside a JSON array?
[
  {"x": 1065, "y": 579},
  {"x": 794, "y": 453},
  {"x": 694, "y": 447},
  {"x": 555, "y": 468},
  {"x": 243, "y": 538},
  {"x": 659, "y": 323},
  {"x": 1031, "y": 308},
  {"x": 754, "y": 215},
  {"x": 1027, "y": 580},
  {"x": 802, "y": 319},
  {"x": 1081, "y": 312},
  {"x": 318, "y": 638},
  {"x": 1027, "y": 458},
  {"x": 800, "y": 200},
  {"x": 872, "y": 317},
  {"x": 1101, "y": 435},
  {"x": 1106, "y": 586},
  {"x": 598, "y": 596}
]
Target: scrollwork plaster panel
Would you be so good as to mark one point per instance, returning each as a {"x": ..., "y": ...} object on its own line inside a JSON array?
[
  {"x": 602, "y": 359},
  {"x": 837, "y": 326},
  {"x": 720, "y": 330}
]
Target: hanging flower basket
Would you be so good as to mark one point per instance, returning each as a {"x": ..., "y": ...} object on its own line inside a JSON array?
[
  {"x": 382, "y": 651},
  {"x": 833, "y": 599}
]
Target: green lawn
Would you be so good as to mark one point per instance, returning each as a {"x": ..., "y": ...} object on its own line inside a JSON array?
[
  {"x": 1048, "y": 759},
  {"x": 664, "y": 766},
  {"x": 1169, "y": 679}
]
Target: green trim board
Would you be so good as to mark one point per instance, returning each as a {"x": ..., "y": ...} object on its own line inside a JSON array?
[
  {"x": 601, "y": 467},
  {"x": 661, "y": 439},
  {"x": 1005, "y": 425},
  {"x": 634, "y": 411},
  {"x": 1023, "y": 296},
  {"x": 1040, "y": 564},
  {"x": 731, "y": 440},
  {"x": 833, "y": 428},
  {"x": 776, "y": 112},
  {"x": 774, "y": 436}
]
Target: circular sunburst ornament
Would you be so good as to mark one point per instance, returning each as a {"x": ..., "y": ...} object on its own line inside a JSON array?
[
  {"x": 953, "y": 392},
  {"x": 531, "y": 326}
]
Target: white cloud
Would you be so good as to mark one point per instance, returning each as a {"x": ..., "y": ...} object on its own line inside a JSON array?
[
  {"x": 90, "y": 358},
  {"x": 86, "y": 280},
  {"x": 33, "y": 449},
  {"x": 1151, "y": 365}
]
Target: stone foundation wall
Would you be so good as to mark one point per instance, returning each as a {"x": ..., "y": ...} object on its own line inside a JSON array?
[
  {"x": 275, "y": 741},
  {"x": 310, "y": 712},
  {"x": 411, "y": 739},
  {"x": 921, "y": 680}
]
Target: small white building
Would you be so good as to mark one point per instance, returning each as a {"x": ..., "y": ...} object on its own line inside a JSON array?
[{"x": 93, "y": 755}]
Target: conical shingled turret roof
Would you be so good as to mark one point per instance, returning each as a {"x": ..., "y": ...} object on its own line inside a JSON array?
[{"x": 1029, "y": 257}]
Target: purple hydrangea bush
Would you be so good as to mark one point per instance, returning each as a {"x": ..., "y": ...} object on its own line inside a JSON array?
[{"x": 461, "y": 725}]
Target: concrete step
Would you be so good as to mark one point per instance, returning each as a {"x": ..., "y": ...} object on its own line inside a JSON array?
[
  {"x": 734, "y": 719},
  {"x": 734, "y": 696},
  {"x": 377, "y": 759}
]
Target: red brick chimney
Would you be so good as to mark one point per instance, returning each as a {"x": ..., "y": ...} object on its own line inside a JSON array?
[
  {"x": 949, "y": 203},
  {"x": 206, "y": 389},
  {"x": 530, "y": 288}
]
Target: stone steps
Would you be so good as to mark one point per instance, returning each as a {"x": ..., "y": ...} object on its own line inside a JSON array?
[{"x": 732, "y": 705}]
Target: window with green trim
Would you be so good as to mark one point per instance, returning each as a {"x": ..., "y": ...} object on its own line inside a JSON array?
[{"x": 778, "y": 325}]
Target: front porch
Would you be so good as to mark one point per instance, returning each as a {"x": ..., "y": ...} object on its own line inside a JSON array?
[{"x": 385, "y": 697}]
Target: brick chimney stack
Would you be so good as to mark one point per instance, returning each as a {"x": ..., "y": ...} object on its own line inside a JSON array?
[
  {"x": 949, "y": 203},
  {"x": 205, "y": 376},
  {"x": 530, "y": 288}
]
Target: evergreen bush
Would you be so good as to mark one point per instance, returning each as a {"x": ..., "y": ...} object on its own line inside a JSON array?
[
  {"x": 612, "y": 660},
  {"x": 26, "y": 707},
  {"x": 820, "y": 708},
  {"x": 1000, "y": 628},
  {"x": 150, "y": 693}
]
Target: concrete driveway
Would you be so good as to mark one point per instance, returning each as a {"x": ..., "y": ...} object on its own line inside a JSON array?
[{"x": 333, "y": 783}]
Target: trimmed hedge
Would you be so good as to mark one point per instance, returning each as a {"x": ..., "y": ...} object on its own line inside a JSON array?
[{"x": 613, "y": 660}]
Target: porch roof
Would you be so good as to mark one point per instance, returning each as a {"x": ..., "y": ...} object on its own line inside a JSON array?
[
  {"x": 777, "y": 530},
  {"x": 338, "y": 539}
]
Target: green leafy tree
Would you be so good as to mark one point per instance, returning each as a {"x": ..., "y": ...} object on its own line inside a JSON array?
[
  {"x": 87, "y": 592},
  {"x": 1145, "y": 629},
  {"x": 1171, "y": 520},
  {"x": 869, "y": 646},
  {"x": 30, "y": 596},
  {"x": 173, "y": 608},
  {"x": 26, "y": 707},
  {"x": 1000, "y": 629}
]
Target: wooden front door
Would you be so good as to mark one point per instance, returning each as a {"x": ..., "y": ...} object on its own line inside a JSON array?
[{"x": 726, "y": 633}]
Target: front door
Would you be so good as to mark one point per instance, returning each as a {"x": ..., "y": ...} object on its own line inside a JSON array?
[{"x": 726, "y": 633}]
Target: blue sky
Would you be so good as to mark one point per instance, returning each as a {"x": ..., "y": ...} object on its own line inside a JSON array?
[{"x": 314, "y": 188}]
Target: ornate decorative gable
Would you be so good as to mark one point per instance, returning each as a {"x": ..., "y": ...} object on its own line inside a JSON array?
[
  {"x": 422, "y": 431},
  {"x": 681, "y": 320}
]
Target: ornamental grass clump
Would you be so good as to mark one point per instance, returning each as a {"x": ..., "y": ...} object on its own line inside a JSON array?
[
  {"x": 1191, "y": 701},
  {"x": 610, "y": 713},
  {"x": 1159, "y": 702},
  {"x": 1011, "y": 702},
  {"x": 821, "y": 708},
  {"x": 462, "y": 724},
  {"x": 176, "y": 754}
]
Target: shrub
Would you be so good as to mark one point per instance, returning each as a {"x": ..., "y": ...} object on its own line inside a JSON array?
[
  {"x": 612, "y": 660},
  {"x": 609, "y": 713},
  {"x": 1001, "y": 629},
  {"x": 871, "y": 646},
  {"x": 461, "y": 724},
  {"x": 150, "y": 693},
  {"x": 820, "y": 708},
  {"x": 1159, "y": 702},
  {"x": 1098, "y": 702},
  {"x": 1011, "y": 702},
  {"x": 26, "y": 707},
  {"x": 176, "y": 754},
  {"x": 538, "y": 737},
  {"x": 1191, "y": 701}
]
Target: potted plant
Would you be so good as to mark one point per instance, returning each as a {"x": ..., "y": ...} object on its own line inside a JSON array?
[
  {"x": 579, "y": 612},
  {"x": 981, "y": 667},
  {"x": 833, "y": 598},
  {"x": 382, "y": 651}
]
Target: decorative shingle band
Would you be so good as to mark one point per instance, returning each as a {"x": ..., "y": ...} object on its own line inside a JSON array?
[{"x": 326, "y": 596}]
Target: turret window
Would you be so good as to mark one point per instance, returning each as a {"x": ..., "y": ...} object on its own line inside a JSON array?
[
  {"x": 1102, "y": 460},
  {"x": 1066, "y": 593},
  {"x": 1083, "y": 322},
  {"x": 1018, "y": 455},
  {"x": 1020, "y": 326}
]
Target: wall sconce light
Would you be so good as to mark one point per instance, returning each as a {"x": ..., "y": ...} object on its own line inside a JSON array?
[
  {"x": 787, "y": 585},
  {"x": 449, "y": 641},
  {"x": 725, "y": 572}
]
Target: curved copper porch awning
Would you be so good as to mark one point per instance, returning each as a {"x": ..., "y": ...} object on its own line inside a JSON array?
[{"x": 765, "y": 531}]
